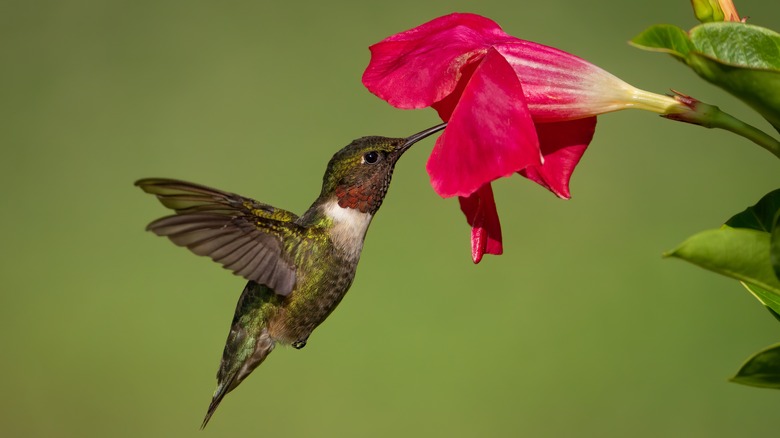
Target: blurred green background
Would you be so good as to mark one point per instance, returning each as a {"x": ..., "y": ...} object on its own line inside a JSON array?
[{"x": 580, "y": 329}]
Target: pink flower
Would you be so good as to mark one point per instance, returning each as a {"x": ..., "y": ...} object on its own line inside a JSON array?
[{"x": 512, "y": 106}]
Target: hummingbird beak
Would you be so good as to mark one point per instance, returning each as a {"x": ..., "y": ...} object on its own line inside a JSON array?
[{"x": 409, "y": 141}]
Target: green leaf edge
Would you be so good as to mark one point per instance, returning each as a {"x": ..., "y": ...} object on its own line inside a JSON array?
[
  {"x": 643, "y": 40},
  {"x": 774, "y": 245},
  {"x": 754, "y": 217},
  {"x": 710, "y": 267},
  {"x": 772, "y": 306},
  {"x": 752, "y": 380}
]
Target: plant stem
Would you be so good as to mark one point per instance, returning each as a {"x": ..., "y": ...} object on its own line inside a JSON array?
[
  {"x": 728, "y": 122},
  {"x": 710, "y": 116}
]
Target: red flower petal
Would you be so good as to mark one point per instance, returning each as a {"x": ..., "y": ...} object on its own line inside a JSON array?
[
  {"x": 490, "y": 132},
  {"x": 481, "y": 214},
  {"x": 446, "y": 106},
  {"x": 562, "y": 145},
  {"x": 560, "y": 86},
  {"x": 420, "y": 66}
]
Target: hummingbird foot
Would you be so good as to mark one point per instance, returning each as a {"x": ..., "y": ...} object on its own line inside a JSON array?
[{"x": 299, "y": 344}]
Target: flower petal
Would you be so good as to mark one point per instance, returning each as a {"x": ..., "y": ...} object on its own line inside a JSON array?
[
  {"x": 446, "y": 106},
  {"x": 562, "y": 145},
  {"x": 560, "y": 86},
  {"x": 420, "y": 66},
  {"x": 490, "y": 133},
  {"x": 481, "y": 214}
]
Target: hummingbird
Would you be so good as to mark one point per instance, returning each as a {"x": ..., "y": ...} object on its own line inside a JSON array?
[{"x": 298, "y": 267}]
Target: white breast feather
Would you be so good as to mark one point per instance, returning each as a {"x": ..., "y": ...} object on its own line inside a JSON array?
[{"x": 349, "y": 227}]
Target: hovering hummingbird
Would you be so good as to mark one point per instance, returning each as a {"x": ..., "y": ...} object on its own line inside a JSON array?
[{"x": 299, "y": 268}]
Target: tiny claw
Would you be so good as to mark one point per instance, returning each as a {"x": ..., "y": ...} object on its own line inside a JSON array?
[{"x": 299, "y": 344}]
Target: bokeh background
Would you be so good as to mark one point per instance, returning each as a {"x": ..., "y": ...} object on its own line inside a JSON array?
[{"x": 580, "y": 329}]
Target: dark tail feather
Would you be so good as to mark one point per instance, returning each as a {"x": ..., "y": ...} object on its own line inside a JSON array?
[
  {"x": 232, "y": 372},
  {"x": 219, "y": 394},
  {"x": 247, "y": 345}
]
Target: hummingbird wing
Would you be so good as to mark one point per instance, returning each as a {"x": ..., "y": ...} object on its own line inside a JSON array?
[{"x": 248, "y": 237}]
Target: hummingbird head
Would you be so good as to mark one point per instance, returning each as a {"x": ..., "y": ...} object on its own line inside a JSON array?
[{"x": 359, "y": 174}]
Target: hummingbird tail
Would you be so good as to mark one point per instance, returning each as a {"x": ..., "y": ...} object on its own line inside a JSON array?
[
  {"x": 232, "y": 373},
  {"x": 219, "y": 394},
  {"x": 248, "y": 343}
]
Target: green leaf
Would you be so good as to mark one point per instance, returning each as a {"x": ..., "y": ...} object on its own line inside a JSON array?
[
  {"x": 738, "y": 253},
  {"x": 759, "y": 89},
  {"x": 774, "y": 245},
  {"x": 764, "y": 216},
  {"x": 770, "y": 300},
  {"x": 664, "y": 38},
  {"x": 762, "y": 369},
  {"x": 738, "y": 44},
  {"x": 760, "y": 216},
  {"x": 747, "y": 248},
  {"x": 740, "y": 58},
  {"x": 775, "y": 314}
]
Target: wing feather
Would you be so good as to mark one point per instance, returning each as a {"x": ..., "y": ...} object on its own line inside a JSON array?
[
  {"x": 211, "y": 246},
  {"x": 221, "y": 254},
  {"x": 248, "y": 237},
  {"x": 261, "y": 267},
  {"x": 243, "y": 265},
  {"x": 234, "y": 258}
]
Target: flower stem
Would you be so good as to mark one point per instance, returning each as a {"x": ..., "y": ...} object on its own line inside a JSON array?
[
  {"x": 710, "y": 116},
  {"x": 728, "y": 122}
]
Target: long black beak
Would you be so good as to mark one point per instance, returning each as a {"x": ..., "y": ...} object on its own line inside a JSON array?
[{"x": 419, "y": 136}]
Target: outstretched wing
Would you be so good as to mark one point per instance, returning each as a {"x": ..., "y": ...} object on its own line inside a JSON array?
[{"x": 245, "y": 236}]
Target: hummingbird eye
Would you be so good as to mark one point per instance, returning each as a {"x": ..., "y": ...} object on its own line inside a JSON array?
[{"x": 371, "y": 157}]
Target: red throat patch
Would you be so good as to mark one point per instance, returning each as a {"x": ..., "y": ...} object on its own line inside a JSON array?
[{"x": 360, "y": 198}]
